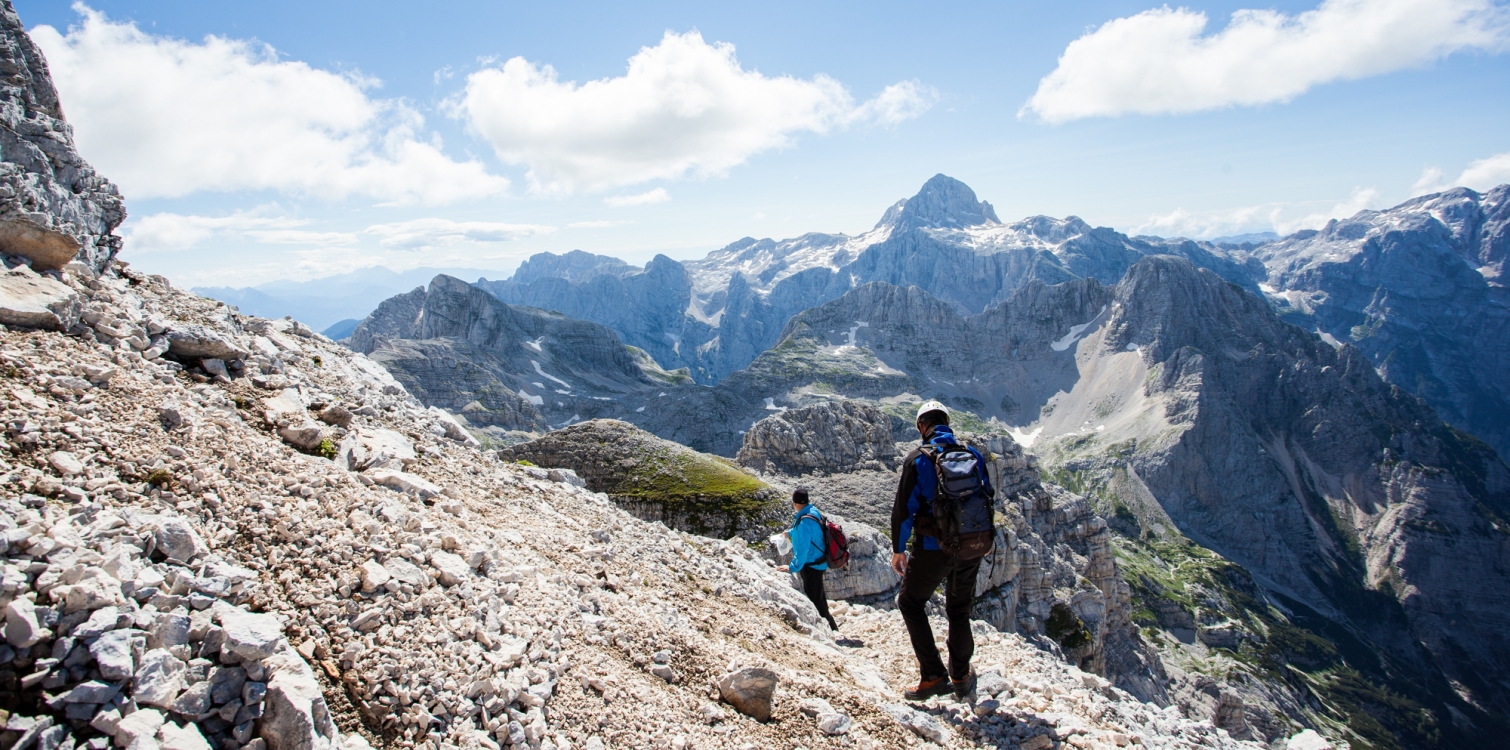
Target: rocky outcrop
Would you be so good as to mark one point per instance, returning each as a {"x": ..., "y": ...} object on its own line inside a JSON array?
[
  {"x": 656, "y": 479},
  {"x": 53, "y": 206},
  {"x": 831, "y": 436}
]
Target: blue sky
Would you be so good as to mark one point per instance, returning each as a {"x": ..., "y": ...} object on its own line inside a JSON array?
[{"x": 306, "y": 139}]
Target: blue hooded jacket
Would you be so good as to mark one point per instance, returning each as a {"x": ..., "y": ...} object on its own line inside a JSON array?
[
  {"x": 807, "y": 540},
  {"x": 916, "y": 489}
]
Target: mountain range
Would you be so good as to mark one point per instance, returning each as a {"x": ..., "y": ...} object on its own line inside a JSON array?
[
  {"x": 1417, "y": 288},
  {"x": 1299, "y": 421}
]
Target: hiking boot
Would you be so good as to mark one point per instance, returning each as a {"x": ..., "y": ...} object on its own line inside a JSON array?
[
  {"x": 927, "y": 689},
  {"x": 963, "y": 687}
]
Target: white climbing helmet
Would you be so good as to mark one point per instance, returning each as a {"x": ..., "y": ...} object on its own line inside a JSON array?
[{"x": 931, "y": 406}]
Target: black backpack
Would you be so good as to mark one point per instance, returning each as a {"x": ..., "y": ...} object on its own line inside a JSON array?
[{"x": 964, "y": 516}]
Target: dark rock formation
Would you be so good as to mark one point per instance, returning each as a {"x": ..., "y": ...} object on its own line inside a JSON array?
[{"x": 53, "y": 206}]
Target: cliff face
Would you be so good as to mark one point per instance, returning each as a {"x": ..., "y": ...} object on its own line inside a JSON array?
[
  {"x": 459, "y": 348},
  {"x": 1420, "y": 289},
  {"x": 53, "y": 206}
]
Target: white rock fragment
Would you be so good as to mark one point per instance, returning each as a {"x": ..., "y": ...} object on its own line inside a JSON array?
[
  {"x": 450, "y": 569},
  {"x": 21, "y": 626},
  {"x": 253, "y": 637},
  {"x": 296, "y": 716},
  {"x": 1308, "y": 740},
  {"x": 66, "y": 463},
  {"x": 405, "y": 482},
  {"x": 141, "y": 723},
  {"x": 159, "y": 679},
  {"x": 373, "y": 575},
  {"x": 172, "y": 736}
]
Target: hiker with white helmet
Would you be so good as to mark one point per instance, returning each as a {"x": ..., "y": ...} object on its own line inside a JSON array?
[{"x": 944, "y": 507}]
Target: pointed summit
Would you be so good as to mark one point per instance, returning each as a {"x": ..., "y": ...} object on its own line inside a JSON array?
[{"x": 942, "y": 203}]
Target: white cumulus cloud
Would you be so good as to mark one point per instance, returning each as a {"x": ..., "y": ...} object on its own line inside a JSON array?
[
  {"x": 1161, "y": 61},
  {"x": 1481, "y": 175},
  {"x": 683, "y": 107},
  {"x": 430, "y": 233},
  {"x": 166, "y": 118},
  {"x": 657, "y": 195}
]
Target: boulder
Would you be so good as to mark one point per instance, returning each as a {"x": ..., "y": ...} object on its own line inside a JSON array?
[
  {"x": 253, "y": 637},
  {"x": 141, "y": 723},
  {"x": 336, "y": 415},
  {"x": 749, "y": 690},
  {"x": 21, "y": 626},
  {"x": 177, "y": 539},
  {"x": 1308, "y": 740},
  {"x": 305, "y": 434},
  {"x": 65, "y": 463},
  {"x": 405, "y": 482},
  {"x": 193, "y": 341},
  {"x": 159, "y": 679},
  {"x": 450, "y": 569},
  {"x": 186, "y": 737},
  {"x": 373, "y": 575},
  {"x": 47, "y": 248},
  {"x": 365, "y": 449},
  {"x": 113, "y": 654},
  {"x": 296, "y": 716},
  {"x": 31, "y": 301}
]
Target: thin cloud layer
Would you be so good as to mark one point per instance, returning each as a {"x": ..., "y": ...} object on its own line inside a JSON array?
[
  {"x": 1283, "y": 218},
  {"x": 684, "y": 107},
  {"x": 167, "y": 118},
  {"x": 658, "y": 195},
  {"x": 170, "y": 232},
  {"x": 1161, "y": 62},
  {"x": 430, "y": 233}
]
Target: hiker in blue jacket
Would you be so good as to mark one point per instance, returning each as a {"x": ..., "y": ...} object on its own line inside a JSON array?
[
  {"x": 809, "y": 552},
  {"x": 929, "y": 565}
]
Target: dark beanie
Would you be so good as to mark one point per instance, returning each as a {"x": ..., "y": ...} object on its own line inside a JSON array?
[{"x": 799, "y": 496}]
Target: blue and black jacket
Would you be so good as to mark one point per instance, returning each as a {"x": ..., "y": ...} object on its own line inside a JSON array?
[
  {"x": 807, "y": 540},
  {"x": 915, "y": 494}
]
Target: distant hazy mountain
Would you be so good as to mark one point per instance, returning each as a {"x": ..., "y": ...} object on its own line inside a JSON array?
[
  {"x": 322, "y": 302},
  {"x": 1251, "y": 238},
  {"x": 341, "y": 329}
]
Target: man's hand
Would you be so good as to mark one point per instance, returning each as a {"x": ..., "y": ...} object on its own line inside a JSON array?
[{"x": 899, "y": 563}]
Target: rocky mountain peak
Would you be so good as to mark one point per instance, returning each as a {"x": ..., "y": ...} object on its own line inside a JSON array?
[
  {"x": 1052, "y": 230},
  {"x": 942, "y": 203},
  {"x": 576, "y": 265}
]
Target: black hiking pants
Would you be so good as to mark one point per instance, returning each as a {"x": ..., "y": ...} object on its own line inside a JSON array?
[
  {"x": 812, "y": 585},
  {"x": 925, "y": 571}
]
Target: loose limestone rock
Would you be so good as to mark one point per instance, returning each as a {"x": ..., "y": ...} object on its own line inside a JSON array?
[{"x": 750, "y": 690}]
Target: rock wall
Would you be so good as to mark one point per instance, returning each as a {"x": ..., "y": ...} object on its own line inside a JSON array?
[
  {"x": 831, "y": 436},
  {"x": 54, "y": 208}
]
